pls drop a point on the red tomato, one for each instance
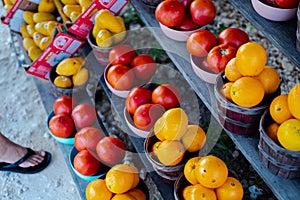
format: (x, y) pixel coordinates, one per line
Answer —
(201, 42)
(187, 24)
(110, 150)
(233, 36)
(186, 4)
(64, 105)
(146, 115)
(170, 13)
(144, 67)
(121, 54)
(120, 77)
(136, 97)
(86, 164)
(287, 3)
(61, 125)
(87, 138)
(84, 115)
(166, 95)
(203, 12)
(219, 56)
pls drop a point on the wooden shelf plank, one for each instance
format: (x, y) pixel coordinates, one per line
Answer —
(284, 189)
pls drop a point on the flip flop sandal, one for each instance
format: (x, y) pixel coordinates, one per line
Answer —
(14, 167)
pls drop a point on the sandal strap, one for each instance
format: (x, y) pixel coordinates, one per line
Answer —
(29, 153)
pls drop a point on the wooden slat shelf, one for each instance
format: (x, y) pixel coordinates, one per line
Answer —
(283, 189)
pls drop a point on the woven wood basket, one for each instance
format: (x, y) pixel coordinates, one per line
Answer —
(278, 160)
(237, 119)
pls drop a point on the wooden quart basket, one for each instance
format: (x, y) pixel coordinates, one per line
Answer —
(278, 160)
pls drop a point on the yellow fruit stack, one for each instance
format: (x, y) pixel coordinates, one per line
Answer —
(74, 8)
(38, 31)
(176, 137)
(208, 177)
(71, 73)
(108, 29)
(285, 111)
(249, 77)
(120, 183)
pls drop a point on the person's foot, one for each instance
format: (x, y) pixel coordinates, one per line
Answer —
(15, 152)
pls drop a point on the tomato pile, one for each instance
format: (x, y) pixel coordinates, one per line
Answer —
(217, 51)
(208, 176)
(186, 15)
(127, 69)
(146, 105)
(285, 112)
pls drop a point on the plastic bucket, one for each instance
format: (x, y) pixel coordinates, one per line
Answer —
(237, 119)
(278, 160)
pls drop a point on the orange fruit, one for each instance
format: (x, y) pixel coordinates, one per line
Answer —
(294, 101)
(96, 189)
(270, 79)
(251, 59)
(63, 81)
(189, 170)
(121, 178)
(211, 171)
(247, 92)
(158, 127)
(289, 134)
(187, 191)
(199, 192)
(194, 138)
(170, 152)
(225, 90)
(279, 109)
(137, 194)
(123, 197)
(271, 131)
(172, 124)
(231, 71)
(232, 189)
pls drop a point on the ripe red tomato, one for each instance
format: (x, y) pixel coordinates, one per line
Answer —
(203, 12)
(121, 54)
(187, 24)
(84, 115)
(61, 125)
(87, 138)
(201, 42)
(233, 36)
(144, 67)
(110, 150)
(170, 13)
(166, 95)
(136, 97)
(86, 164)
(120, 77)
(287, 3)
(219, 56)
(64, 105)
(186, 4)
(146, 115)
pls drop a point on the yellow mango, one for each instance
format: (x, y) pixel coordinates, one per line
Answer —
(40, 27)
(7, 8)
(7, 2)
(68, 9)
(30, 29)
(74, 15)
(63, 81)
(23, 30)
(27, 43)
(50, 26)
(96, 30)
(42, 17)
(34, 53)
(28, 17)
(68, 67)
(119, 37)
(37, 37)
(85, 3)
(104, 38)
(46, 6)
(80, 77)
(44, 43)
(108, 20)
(69, 2)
